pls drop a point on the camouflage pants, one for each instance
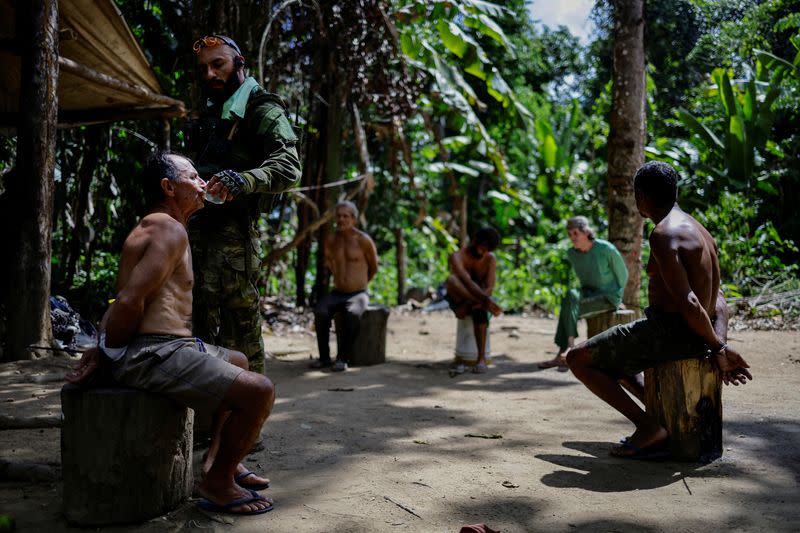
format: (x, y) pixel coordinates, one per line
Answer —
(225, 310)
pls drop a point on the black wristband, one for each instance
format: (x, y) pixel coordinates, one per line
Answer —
(232, 180)
(718, 350)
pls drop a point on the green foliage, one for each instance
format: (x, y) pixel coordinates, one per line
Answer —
(748, 115)
(748, 255)
(532, 271)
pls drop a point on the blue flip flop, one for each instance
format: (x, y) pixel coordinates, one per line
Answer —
(256, 486)
(208, 505)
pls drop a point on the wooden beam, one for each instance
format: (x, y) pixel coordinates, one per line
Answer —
(68, 65)
(84, 117)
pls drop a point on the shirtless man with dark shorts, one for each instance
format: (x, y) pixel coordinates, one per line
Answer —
(470, 286)
(687, 317)
(146, 339)
(351, 257)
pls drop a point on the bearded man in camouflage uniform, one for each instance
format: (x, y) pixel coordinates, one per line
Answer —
(245, 150)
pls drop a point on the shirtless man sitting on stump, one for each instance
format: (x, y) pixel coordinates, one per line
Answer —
(687, 317)
(470, 286)
(146, 339)
(351, 257)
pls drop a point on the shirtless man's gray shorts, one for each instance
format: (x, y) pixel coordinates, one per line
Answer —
(191, 372)
(628, 349)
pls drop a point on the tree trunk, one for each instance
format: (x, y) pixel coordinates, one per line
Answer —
(685, 397)
(165, 140)
(597, 324)
(369, 347)
(332, 157)
(29, 323)
(400, 258)
(126, 455)
(463, 220)
(626, 139)
(86, 173)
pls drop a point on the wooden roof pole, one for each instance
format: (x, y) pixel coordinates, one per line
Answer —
(68, 65)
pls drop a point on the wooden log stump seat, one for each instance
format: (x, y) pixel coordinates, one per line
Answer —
(686, 398)
(126, 455)
(599, 322)
(370, 343)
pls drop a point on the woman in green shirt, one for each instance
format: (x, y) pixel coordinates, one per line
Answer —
(602, 275)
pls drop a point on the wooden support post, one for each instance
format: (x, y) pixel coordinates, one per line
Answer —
(370, 345)
(30, 243)
(596, 324)
(126, 455)
(686, 398)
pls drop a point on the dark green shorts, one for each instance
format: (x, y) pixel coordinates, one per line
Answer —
(628, 349)
(479, 316)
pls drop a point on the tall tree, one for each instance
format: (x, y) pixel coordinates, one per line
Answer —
(626, 139)
(32, 188)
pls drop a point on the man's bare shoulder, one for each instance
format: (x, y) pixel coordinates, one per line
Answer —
(679, 230)
(363, 236)
(158, 227)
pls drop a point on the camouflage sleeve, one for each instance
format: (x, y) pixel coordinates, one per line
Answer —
(281, 167)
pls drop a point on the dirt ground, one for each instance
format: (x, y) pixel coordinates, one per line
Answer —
(346, 451)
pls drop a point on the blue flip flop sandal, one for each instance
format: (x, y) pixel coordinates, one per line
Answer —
(208, 505)
(255, 486)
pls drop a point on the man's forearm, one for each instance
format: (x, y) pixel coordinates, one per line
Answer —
(699, 322)
(122, 321)
(721, 318)
(279, 172)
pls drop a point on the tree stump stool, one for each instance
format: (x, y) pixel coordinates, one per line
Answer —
(466, 352)
(126, 455)
(686, 398)
(370, 344)
(599, 322)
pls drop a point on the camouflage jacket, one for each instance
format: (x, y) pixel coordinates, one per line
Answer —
(261, 147)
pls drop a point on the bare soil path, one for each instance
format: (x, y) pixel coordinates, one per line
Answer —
(362, 450)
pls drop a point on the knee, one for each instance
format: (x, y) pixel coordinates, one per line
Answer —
(577, 358)
(238, 359)
(262, 392)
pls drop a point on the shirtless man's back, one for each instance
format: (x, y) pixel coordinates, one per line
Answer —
(351, 257)
(687, 317)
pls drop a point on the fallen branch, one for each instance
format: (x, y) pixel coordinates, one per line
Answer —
(25, 471)
(34, 422)
(401, 506)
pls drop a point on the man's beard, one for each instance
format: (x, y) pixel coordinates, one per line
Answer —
(219, 96)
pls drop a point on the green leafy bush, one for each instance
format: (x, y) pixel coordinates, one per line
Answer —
(747, 255)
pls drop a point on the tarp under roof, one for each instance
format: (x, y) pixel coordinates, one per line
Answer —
(103, 74)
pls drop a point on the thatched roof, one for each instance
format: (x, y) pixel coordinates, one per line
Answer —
(103, 74)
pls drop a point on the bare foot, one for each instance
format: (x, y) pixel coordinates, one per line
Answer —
(558, 361)
(640, 441)
(480, 368)
(250, 480)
